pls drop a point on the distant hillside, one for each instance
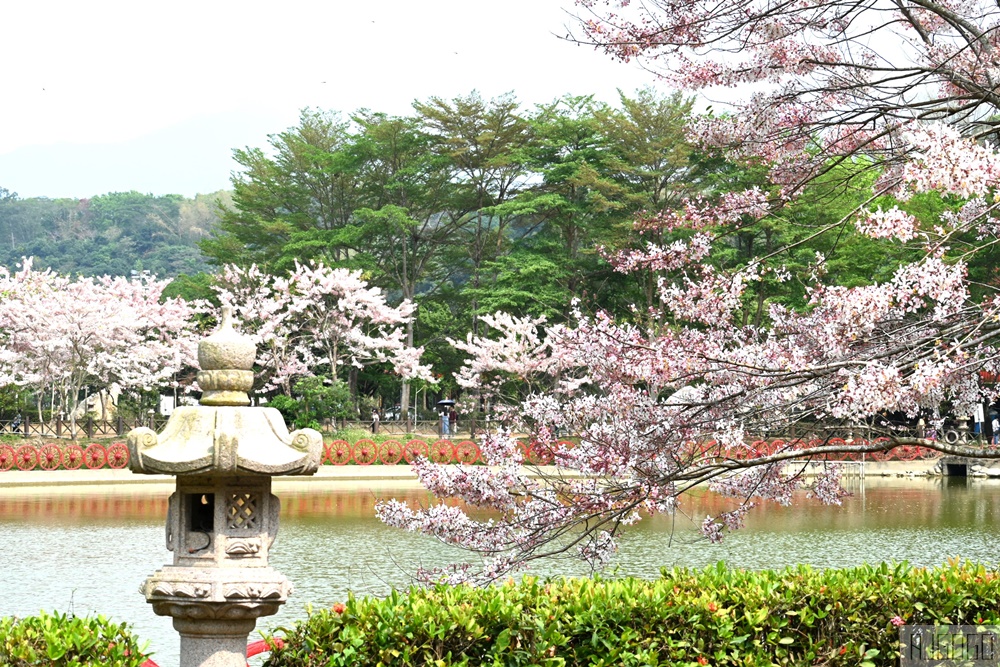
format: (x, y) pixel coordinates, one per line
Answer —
(114, 233)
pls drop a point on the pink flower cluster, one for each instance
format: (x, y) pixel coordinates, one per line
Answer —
(889, 224)
(943, 160)
(319, 315)
(60, 334)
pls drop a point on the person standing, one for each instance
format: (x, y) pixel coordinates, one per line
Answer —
(375, 419)
(453, 419)
(445, 431)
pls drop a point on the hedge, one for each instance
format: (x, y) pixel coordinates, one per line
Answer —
(60, 640)
(715, 616)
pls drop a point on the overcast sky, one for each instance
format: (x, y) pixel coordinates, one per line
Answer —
(104, 96)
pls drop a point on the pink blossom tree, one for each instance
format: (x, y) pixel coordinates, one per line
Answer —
(834, 78)
(316, 316)
(59, 334)
(351, 322)
(514, 359)
(261, 302)
(906, 89)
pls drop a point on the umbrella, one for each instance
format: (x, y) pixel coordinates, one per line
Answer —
(446, 401)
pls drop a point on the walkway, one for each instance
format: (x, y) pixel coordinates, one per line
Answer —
(328, 476)
(82, 481)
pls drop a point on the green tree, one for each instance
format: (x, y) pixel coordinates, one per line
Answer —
(485, 142)
(658, 168)
(291, 205)
(314, 401)
(578, 200)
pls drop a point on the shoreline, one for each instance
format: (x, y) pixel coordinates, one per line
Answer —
(916, 468)
(331, 477)
(76, 482)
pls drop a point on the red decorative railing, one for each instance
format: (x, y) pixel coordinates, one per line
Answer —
(366, 452)
(253, 648)
(759, 448)
(53, 456)
(339, 452)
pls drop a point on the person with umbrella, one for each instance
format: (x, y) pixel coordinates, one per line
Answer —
(445, 406)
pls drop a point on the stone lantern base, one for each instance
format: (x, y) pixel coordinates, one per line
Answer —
(214, 642)
(215, 609)
(216, 593)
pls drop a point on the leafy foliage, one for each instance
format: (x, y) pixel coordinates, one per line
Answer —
(465, 207)
(62, 640)
(717, 616)
(314, 401)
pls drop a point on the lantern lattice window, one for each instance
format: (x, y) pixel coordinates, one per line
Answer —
(242, 511)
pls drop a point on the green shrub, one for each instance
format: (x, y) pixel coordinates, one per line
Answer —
(716, 616)
(352, 435)
(319, 401)
(286, 405)
(315, 401)
(67, 641)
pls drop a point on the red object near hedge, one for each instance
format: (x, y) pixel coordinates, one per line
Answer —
(95, 456)
(73, 457)
(117, 455)
(52, 456)
(415, 449)
(49, 457)
(339, 452)
(365, 452)
(390, 452)
(26, 457)
(467, 452)
(442, 451)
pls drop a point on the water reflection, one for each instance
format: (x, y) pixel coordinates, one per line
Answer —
(88, 554)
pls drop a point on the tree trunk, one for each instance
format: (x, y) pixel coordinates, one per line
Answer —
(352, 382)
(404, 390)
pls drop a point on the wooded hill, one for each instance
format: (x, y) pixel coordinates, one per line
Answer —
(113, 234)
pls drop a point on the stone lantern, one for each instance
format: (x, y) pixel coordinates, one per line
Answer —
(222, 518)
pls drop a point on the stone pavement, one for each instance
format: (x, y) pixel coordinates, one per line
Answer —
(919, 468)
(54, 482)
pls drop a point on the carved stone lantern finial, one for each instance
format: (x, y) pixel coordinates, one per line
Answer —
(226, 359)
(223, 518)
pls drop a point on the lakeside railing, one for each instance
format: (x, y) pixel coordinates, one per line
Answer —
(364, 452)
(87, 427)
(95, 456)
(90, 427)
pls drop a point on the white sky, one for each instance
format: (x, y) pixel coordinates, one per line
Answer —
(111, 95)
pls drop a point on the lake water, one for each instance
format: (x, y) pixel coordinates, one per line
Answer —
(89, 554)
